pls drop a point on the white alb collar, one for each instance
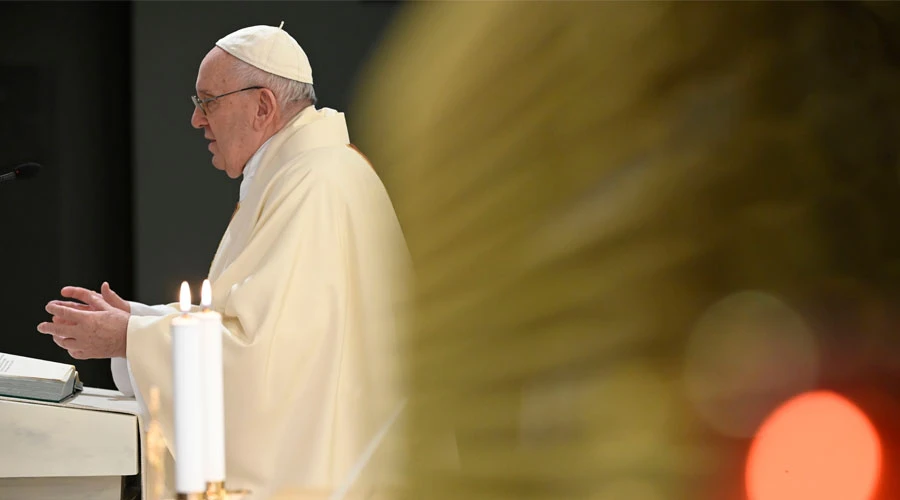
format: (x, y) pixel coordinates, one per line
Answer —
(250, 169)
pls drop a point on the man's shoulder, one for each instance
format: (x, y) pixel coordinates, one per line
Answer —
(344, 162)
(342, 168)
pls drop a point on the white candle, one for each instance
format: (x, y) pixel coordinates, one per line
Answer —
(214, 401)
(187, 386)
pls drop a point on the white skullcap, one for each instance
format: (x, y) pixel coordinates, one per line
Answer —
(270, 49)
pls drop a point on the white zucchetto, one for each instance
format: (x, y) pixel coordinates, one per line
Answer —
(270, 49)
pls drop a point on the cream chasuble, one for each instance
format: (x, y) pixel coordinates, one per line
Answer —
(308, 277)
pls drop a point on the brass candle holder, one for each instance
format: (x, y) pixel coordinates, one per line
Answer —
(156, 450)
(217, 491)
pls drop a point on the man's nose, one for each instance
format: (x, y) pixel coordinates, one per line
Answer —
(198, 119)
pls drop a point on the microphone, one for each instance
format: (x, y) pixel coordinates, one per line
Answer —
(23, 171)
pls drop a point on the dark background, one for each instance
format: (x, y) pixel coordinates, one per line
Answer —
(99, 93)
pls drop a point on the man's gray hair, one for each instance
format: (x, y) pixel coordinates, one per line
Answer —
(291, 95)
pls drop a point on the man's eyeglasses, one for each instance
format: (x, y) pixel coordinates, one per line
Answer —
(201, 103)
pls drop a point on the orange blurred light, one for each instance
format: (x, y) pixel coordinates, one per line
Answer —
(817, 446)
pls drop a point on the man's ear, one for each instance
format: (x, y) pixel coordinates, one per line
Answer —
(267, 107)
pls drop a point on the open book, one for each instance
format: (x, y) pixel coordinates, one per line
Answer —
(30, 378)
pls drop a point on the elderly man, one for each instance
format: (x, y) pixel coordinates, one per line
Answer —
(304, 277)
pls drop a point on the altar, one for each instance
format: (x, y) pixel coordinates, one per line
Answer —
(87, 447)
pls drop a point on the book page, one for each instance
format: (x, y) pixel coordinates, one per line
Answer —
(93, 398)
(13, 366)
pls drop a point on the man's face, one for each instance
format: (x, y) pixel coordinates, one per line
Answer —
(228, 122)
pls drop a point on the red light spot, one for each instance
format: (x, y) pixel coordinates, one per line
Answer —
(817, 446)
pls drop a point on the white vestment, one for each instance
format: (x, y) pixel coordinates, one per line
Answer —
(309, 277)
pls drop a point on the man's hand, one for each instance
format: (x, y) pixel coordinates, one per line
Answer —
(111, 297)
(94, 328)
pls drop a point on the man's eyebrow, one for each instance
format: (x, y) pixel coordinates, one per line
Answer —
(203, 91)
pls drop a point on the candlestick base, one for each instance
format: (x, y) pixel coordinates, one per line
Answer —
(190, 496)
(235, 494)
(217, 491)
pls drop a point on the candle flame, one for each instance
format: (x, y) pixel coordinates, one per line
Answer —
(206, 294)
(185, 297)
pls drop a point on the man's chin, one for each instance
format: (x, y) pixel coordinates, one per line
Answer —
(224, 168)
(218, 166)
(230, 172)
